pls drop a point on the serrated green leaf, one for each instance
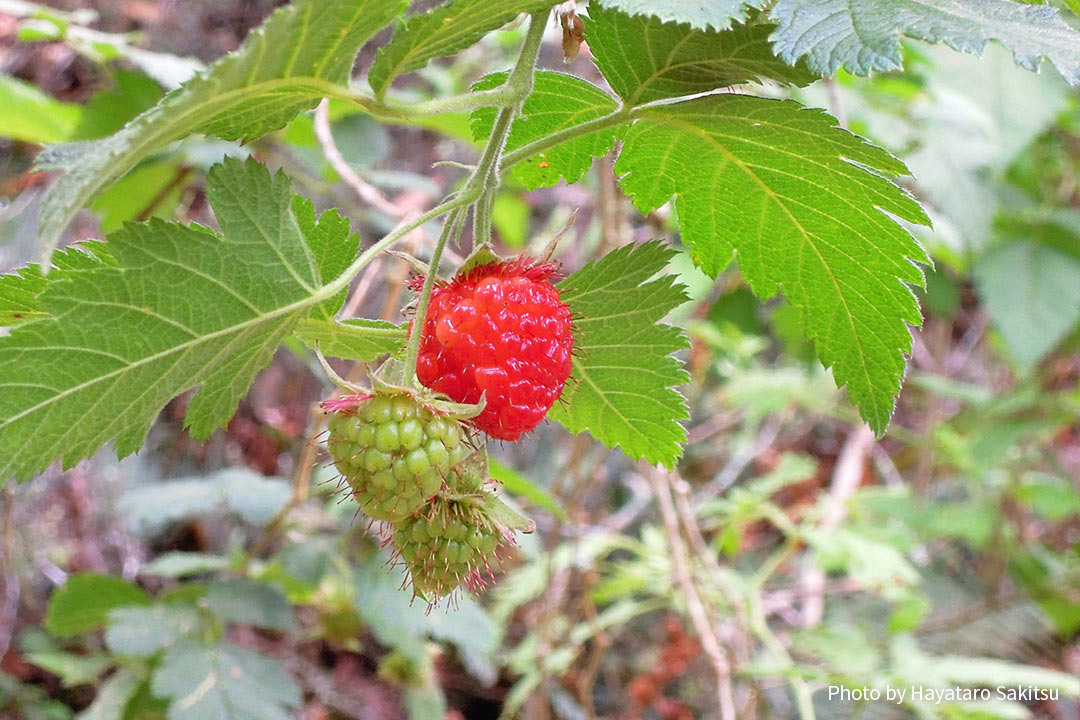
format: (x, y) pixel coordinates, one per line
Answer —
(142, 631)
(19, 290)
(701, 14)
(1032, 294)
(557, 101)
(180, 314)
(807, 208)
(622, 383)
(864, 35)
(283, 68)
(83, 604)
(240, 600)
(32, 116)
(223, 682)
(352, 339)
(645, 59)
(441, 32)
(332, 246)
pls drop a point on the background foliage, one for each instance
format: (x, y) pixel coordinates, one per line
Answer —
(786, 550)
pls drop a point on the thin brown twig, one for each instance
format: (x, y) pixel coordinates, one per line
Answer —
(661, 482)
(845, 481)
(364, 190)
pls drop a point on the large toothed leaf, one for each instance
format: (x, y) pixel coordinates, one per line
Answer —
(645, 59)
(174, 308)
(623, 382)
(805, 207)
(332, 247)
(441, 32)
(864, 35)
(283, 68)
(701, 14)
(558, 101)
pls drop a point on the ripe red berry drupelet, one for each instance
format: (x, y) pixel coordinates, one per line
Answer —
(500, 328)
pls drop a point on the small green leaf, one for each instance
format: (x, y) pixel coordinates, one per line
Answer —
(352, 339)
(1032, 293)
(443, 31)
(864, 35)
(283, 68)
(701, 14)
(83, 604)
(240, 600)
(623, 379)
(645, 59)
(807, 208)
(558, 101)
(142, 631)
(224, 682)
(332, 246)
(185, 307)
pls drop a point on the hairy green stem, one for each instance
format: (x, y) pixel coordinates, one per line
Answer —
(412, 349)
(466, 197)
(618, 117)
(485, 178)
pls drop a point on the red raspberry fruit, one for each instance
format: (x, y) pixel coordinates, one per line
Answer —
(502, 329)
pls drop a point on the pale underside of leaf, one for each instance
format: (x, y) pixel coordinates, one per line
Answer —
(864, 35)
(441, 32)
(182, 307)
(283, 68)
(353, 339)
(701, 14)
(624, 376)
(807, 208)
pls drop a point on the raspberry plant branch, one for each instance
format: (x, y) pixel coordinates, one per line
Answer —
(485, 178)
(412, 349)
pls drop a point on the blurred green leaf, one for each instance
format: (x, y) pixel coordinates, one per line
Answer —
(182, 564)
(30, 115)
(240, 600)
(84, 602)
(1032, 293)
(517, 484)
(510, 215)
(72, 669)
(224, 682)
(140, 631)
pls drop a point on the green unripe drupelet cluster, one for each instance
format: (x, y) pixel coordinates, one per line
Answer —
(453, 542)
(394, 453)
(407, 464)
